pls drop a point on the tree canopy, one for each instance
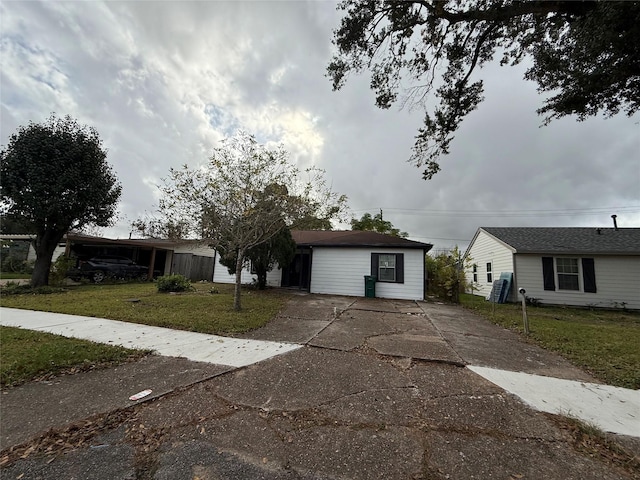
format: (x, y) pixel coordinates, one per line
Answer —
(278, 250)
(585, 56)
(243, 197)
(376, 224)
(55, 178)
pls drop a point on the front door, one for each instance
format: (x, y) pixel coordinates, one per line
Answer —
(298, 273)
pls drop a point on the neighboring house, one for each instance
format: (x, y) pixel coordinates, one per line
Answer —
(595, 267)
(191, 258)
(336, 262)
(22, 246)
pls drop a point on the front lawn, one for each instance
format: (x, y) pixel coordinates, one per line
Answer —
(198, 311)
(26, 355)
(603, 342)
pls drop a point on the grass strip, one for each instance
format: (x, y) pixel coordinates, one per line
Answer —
(27, 355)
(603, 342)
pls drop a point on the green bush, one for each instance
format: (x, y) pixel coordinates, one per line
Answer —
(59, 269)
(445, 275)
(173, 283)
(13, 263)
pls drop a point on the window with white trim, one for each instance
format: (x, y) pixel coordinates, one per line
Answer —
(568, 273)
(489, 273)
(387, 268)
(475, 273)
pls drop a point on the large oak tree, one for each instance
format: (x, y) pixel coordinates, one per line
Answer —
(55, 178)
(584, 56)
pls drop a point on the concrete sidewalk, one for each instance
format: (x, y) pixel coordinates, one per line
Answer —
(380, 390)
(612, 409)
(198, 347)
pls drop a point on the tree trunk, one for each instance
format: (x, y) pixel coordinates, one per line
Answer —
(236, 292)
(44, 245)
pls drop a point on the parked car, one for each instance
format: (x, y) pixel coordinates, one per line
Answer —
(99, 268)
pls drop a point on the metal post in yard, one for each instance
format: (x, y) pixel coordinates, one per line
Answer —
(525, 319)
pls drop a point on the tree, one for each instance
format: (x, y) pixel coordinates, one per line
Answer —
(312, 222)
(278, 250)
(14, 224)
(585, 55)
(244, 197)
(445, 274)
(55, 178)
(376, 224)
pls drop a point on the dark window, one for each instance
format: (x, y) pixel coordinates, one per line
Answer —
(475, 273)
(388, 267)
(489, 274)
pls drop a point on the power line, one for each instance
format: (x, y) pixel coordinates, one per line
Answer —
(509, 213)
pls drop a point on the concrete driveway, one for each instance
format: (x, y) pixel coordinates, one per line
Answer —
(380, 390)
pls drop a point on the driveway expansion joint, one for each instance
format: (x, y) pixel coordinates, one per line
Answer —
(415, 423)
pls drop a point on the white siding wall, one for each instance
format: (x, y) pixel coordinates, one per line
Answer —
(487, 249)
(341, 271)
(221, 275)
(617, 281)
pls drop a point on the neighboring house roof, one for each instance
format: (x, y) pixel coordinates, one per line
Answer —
(353, 238)
(133, 242)
(568, 240)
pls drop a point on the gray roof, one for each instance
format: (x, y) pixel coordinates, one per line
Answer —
(353, 238)
(570, 240)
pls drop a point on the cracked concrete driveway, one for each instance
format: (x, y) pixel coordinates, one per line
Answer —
(378, 392)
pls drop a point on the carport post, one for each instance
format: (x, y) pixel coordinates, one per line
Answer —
(525, 319)
(152, 264)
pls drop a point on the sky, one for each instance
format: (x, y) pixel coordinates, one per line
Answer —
(164, 82)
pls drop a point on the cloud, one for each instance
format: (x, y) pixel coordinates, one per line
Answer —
(164, 82)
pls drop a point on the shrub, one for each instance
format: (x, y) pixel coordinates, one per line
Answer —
(13, 263)
(445, 274)
(173, 283)
(59, 269)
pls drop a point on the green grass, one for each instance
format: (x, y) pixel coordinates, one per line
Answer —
(198, 310)
(14, 276)
(26, 355)
(603, 342)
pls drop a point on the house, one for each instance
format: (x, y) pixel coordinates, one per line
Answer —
(21, 247)
(192, 258)
(594, 267)
(336, 262)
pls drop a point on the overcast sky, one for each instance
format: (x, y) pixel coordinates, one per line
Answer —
(163, 82)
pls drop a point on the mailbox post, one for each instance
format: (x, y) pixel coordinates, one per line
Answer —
(525, 319)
